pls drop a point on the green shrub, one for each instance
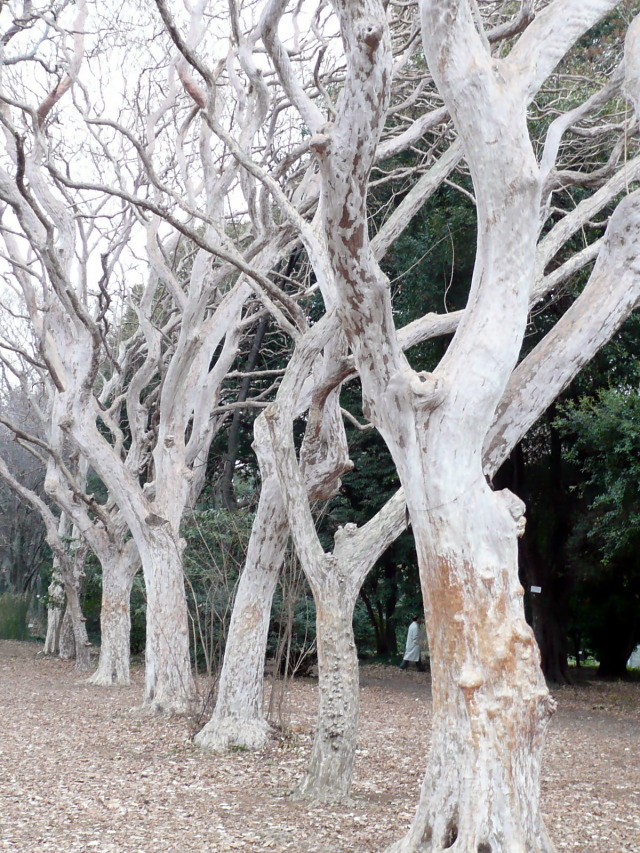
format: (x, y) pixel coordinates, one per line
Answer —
(13, 616)
(216, 547)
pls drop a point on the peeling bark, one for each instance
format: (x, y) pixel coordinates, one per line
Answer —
(115, 622)
(336, 582)
(169, 687)
(82, 645)
(55, 612)
(330, 771)
(491, 705)
(238, 718)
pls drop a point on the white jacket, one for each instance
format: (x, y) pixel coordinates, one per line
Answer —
(412, 649)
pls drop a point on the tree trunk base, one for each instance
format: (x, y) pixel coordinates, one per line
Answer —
(165, 709)
(467, 844)
(226, 733)
(115, 624)
(54, 625)
(83, 659)
(103, 677)
(309, 791)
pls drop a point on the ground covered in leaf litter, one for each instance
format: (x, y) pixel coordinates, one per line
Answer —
(80, 772)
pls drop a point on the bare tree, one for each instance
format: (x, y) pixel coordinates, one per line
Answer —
(166, 379)
(65, 482)
(69, 552)
(244, 718)
(491, 706)
(217, 161)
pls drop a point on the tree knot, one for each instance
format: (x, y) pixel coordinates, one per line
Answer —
(320, 142)
(343, 534)
(153, 520)
(470, 678)
(371, 34)
(516, 509)
(149, 491)
(428, 388)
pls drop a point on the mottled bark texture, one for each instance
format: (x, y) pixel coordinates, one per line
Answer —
(335, 578)
(71, 554)
(238, 718)
(168, 684)
(118, 572)
(329, 774)
(55, 612)
(491, 705)
(79, 629)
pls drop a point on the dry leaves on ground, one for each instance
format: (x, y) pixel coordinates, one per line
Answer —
(82, 771)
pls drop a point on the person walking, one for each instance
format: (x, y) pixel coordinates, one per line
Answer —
(412, 648)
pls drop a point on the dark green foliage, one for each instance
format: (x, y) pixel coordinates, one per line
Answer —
(544, 471)
(13, 616)
(606, 445)
(362, 629)
(605, 433)
(213, 559)
(430, 265)
(291, 644)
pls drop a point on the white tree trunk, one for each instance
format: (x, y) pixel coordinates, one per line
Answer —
(55, 612)
(355, 552)
(238, 718)
(115, 622)
(330, 771)
(66, 639)
(491, 705)
(481, 790)
(78, 627)
(335, 578)
(169, 686)
(54, 624)
(73, 641)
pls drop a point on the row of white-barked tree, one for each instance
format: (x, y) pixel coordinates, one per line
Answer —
(236, 138)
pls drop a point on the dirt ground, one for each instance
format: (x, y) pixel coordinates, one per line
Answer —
(80, 770)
